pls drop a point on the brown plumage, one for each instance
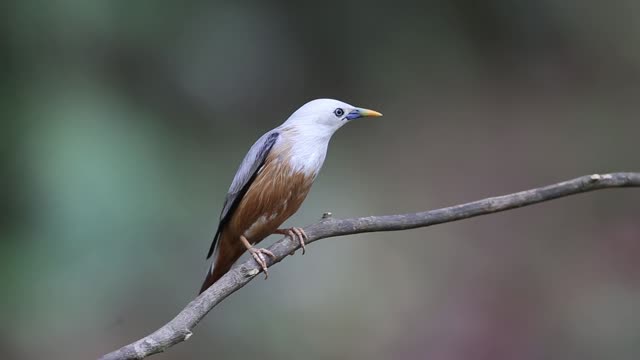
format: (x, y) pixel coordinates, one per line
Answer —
(275, 194)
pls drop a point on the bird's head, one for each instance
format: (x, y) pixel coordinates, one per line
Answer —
(327, 115)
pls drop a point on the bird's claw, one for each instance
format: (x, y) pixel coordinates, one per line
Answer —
(258, 256)
(296, 233)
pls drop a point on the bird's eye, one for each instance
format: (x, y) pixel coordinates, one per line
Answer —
(339, 112)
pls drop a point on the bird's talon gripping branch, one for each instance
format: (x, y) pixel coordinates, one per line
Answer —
(258, 256)
(295, 233)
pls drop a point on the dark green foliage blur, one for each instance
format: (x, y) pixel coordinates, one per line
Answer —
(123, 123)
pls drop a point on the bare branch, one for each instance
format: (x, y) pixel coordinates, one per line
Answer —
(179, 329)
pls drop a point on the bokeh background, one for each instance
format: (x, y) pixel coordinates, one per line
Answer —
(123, 123)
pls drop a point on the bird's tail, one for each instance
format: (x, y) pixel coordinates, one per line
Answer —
(208, 280)
(215, 272)
(224, 259)
(212, 277)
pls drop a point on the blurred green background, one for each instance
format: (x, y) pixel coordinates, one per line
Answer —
(124, 122)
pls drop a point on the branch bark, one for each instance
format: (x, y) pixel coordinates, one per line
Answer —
(179, 329)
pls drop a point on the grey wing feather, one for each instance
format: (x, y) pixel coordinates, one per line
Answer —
(245, 175)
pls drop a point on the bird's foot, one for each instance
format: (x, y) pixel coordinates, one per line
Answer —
(295, 233)
(258, 255)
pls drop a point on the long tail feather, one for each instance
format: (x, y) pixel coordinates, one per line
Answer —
(229, 251)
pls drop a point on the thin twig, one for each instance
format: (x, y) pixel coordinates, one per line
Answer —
(179, 329)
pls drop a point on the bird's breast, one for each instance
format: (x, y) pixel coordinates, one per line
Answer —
(302, 150)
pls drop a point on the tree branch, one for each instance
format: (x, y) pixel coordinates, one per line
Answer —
(179, 329)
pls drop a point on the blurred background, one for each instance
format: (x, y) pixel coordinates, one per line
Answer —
(123, 123)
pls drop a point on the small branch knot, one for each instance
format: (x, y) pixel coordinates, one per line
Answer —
(252, 272)
(597, 177)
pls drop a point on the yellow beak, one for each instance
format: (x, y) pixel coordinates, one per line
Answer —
(367, 112)
(358, 113)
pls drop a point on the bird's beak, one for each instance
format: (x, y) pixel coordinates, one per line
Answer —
(358, 113)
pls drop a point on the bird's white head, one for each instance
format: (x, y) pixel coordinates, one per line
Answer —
(325, 116)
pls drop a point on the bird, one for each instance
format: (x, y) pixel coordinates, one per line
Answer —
(273, 180)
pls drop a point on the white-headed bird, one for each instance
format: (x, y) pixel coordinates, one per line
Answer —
(272, 182)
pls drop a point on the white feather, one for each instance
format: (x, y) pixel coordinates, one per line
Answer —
(307, 133)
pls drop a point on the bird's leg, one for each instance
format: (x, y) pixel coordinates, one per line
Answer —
(295, 233)
(258, 255)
